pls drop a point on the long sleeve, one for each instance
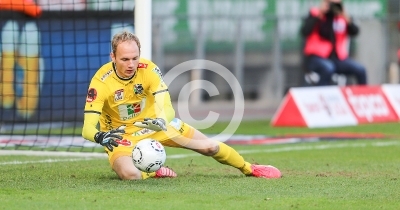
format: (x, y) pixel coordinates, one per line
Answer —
(89, 126)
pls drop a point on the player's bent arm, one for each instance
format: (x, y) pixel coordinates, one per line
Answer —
(89, 129)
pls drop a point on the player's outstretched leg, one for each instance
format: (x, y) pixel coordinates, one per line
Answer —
(227, 155)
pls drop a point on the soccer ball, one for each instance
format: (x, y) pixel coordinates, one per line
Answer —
(148, 155)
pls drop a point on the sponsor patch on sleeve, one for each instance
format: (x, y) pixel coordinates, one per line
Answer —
(91, 95)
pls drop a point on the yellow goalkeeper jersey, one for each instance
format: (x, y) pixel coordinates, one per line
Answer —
(121, 101)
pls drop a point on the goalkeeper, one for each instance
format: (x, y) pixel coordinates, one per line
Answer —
(131, 102)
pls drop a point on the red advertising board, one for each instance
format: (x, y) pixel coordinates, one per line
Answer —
(369, 104)
(392, 93)
(338, 106)
(314, 107)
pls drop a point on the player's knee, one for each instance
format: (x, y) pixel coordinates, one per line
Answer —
(213, 150)
(128, 174)
(209, 151)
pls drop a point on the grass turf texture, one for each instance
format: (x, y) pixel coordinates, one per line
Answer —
(361, 174)
(322, 175)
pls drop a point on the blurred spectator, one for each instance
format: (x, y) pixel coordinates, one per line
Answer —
(20, 56)
(326, 31)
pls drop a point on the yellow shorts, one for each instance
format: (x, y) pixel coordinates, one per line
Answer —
(175, 129)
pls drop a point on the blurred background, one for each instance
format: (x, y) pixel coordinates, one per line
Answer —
(257, 40)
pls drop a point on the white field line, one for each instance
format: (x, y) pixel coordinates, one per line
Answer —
(44, 161)
(53, 153)
(91, 156)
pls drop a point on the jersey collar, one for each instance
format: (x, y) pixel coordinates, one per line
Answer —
(124, 79)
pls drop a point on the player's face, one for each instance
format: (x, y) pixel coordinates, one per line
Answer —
(126, 58)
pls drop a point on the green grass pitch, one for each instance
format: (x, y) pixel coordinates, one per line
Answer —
(345, 174)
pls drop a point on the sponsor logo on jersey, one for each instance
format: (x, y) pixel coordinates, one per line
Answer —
(138, 89)
(142, 132)
(104, 77)
(124, 142)
(129, 111)
(91, 95)
(108, 122)
(142, 65)
(119, 95)
(181, 130)
(158, 72)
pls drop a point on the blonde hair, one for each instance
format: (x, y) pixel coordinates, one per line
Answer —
(123, 36)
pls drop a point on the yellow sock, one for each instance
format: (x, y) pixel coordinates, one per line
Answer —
(148, 175)
(228, 156)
